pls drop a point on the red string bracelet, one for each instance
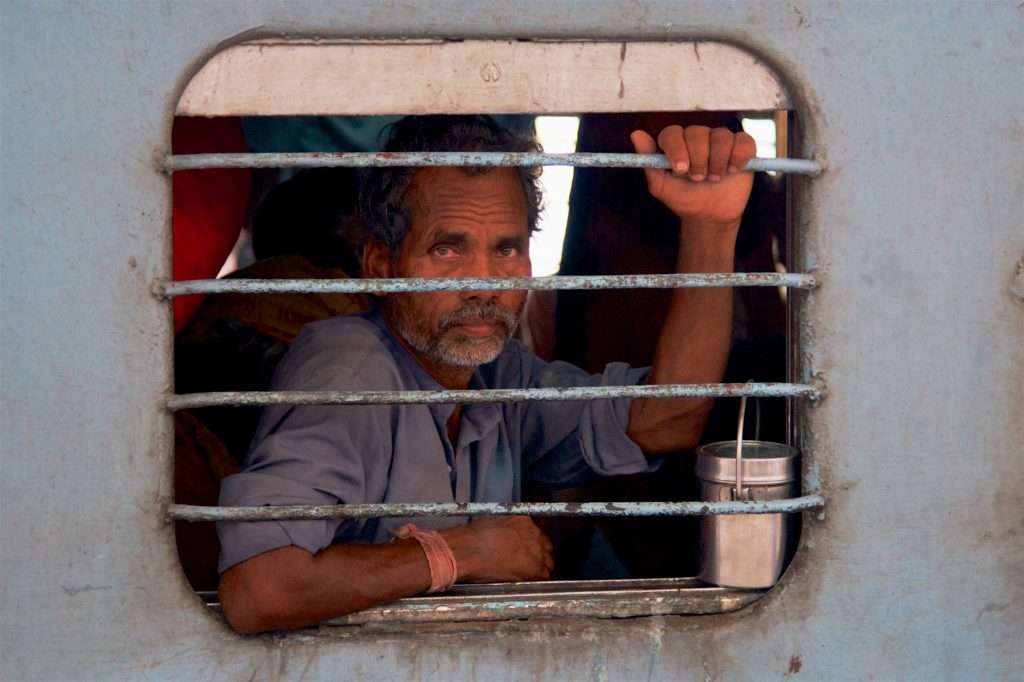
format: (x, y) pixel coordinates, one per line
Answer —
(443, 569)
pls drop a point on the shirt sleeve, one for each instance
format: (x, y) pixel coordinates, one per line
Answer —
(308, 454)
(566, 442)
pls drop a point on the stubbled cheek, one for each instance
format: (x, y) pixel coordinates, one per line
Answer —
(513, 300)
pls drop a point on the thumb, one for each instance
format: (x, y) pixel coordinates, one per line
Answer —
(645, 144)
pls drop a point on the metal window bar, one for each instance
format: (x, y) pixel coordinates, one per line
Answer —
(491, 395)
(494, 159)
(179, 162)
(305, 512)
(169, 289)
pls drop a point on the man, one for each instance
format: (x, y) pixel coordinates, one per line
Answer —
(450, 222)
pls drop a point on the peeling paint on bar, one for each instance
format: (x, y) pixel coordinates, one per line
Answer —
(184, 512)
(490, 395)
(409, 284)
(425, 159)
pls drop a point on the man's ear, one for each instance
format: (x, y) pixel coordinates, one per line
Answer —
(376, 260)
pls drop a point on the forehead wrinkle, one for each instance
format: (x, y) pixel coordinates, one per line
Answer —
(471, 213)
(495, 202)
(437, 200)
(471, 208)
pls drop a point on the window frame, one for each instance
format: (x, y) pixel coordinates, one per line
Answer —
(489, 71)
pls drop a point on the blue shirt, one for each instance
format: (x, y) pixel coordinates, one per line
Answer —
(349, 454)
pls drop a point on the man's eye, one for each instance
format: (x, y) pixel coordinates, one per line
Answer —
(508, 251)
(443, 250)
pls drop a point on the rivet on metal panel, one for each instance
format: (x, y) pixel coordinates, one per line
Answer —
(821, 389)
(1017, 282)
(490, 72)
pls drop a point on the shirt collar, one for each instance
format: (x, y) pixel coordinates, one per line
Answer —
(478, 419)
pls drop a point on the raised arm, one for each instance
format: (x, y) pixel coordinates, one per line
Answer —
(289, 587)
(708, 191)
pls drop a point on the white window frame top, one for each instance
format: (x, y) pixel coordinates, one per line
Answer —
(348, 78)
(322, 78)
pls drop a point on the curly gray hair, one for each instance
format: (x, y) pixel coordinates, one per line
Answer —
(384, 191)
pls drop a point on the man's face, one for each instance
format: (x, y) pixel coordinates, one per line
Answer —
(462, 226)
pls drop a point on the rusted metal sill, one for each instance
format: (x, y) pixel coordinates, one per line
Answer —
(553, 599)
(170, 289)
(426, 159)
(299, 512)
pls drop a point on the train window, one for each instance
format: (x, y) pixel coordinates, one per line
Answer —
(267, 234)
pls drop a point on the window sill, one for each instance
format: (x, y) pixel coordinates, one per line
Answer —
(554, 599)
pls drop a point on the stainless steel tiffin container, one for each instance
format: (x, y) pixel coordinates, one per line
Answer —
(746, 550)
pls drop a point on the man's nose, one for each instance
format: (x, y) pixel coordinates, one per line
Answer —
(480, 266)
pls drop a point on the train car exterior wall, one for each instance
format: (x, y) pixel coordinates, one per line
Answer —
(914, 571)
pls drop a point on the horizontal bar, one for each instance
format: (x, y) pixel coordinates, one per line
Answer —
(412, 284)
(305, 512)
(543, 587)
(424, 159)
(186, 401)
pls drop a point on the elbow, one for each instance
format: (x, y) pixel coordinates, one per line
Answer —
(690, 439)
(244, 621)
(670, 432)
(663, 426)
(244, 611)
(665, 441)
(253, 603)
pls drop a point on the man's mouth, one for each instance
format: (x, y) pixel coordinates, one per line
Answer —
(477, 328)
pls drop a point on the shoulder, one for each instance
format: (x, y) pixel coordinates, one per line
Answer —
(341, 352)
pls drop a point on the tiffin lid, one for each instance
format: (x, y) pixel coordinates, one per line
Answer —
(764, 463)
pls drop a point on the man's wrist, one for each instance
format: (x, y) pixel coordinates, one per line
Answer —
(704, 228)
(707, 246)
(458, 540)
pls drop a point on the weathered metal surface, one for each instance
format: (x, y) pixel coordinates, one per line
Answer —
(275, 77)
(426, 159)
(1017, 283)
(556, 282)
(560, 599)
(306, 512)
(491, 395)
(914, 572)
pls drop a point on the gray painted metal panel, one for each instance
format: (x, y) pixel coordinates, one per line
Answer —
(916, 571)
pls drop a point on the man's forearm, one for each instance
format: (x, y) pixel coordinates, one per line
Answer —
(289, 587)
(693, 345)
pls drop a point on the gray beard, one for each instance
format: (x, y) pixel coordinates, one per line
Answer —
(447, 346)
